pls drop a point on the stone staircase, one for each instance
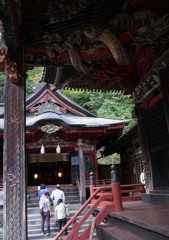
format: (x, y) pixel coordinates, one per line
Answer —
(34, 218)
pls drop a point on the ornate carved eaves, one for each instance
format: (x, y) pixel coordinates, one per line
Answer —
(144, 92)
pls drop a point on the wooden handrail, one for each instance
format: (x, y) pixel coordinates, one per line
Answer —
(100, 182)
(100, 195)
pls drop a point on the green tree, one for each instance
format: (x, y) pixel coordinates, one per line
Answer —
(80, 97)
(110, 104)
(111, 159)
(33, 76)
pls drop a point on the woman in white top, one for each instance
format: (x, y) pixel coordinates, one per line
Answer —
(60, 209)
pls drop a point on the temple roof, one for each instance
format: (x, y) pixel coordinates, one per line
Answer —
(49, 108)
(75, 121)
(52, 117)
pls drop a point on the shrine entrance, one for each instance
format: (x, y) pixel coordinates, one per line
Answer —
(48, 168)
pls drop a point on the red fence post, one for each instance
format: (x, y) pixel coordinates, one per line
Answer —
(116, 189)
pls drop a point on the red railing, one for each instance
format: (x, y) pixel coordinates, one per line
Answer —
(76, 225)
(133, 191)
(129, 192)
(105, 199)
(99, 182)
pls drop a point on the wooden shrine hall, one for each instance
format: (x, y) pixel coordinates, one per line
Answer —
(55, 127)
(87, 45)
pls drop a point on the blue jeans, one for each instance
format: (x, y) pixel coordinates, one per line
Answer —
(45, 217)
(61, 223)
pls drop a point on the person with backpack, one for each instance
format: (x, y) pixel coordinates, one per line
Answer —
(61, 210)
(45, 211)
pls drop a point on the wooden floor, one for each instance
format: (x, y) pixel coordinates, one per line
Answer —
(151, 216)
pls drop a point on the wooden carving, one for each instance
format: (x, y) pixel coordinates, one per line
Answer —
(14, 74)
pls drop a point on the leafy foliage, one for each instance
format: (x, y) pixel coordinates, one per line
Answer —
(109, 105)
(32, 78)
(111, 159)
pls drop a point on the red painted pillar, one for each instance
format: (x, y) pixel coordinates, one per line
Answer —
(116, 189)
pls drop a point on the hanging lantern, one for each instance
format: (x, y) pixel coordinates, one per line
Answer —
(42, 150)
(60, 174)
(58, 149)
(35, 175)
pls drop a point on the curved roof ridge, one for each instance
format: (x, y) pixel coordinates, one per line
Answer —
(68, 100)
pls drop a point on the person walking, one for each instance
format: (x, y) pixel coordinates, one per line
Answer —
(45, 211)
(60, 209)
(57, 194)
(42, 190)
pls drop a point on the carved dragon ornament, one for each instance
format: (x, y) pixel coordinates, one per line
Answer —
(123, 32)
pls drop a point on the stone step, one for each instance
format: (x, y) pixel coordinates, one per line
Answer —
(34, 218)
(155, 197)
(66, 191)
(72, 207)
(36, 204)
(67, 197)
(52, 235)
(131, 227)
(71, 197)
(34, 212)
(112, 232)
(34, 227)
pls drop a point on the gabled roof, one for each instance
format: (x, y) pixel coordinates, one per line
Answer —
(49, 107)
(47, 92)
(49, 112)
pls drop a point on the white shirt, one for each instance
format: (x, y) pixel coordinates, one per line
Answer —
(44, 203)
(61, 210)
(57, 194)
(142, 179)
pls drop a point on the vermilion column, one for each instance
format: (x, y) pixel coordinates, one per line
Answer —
(116, 189)
(14, 184)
